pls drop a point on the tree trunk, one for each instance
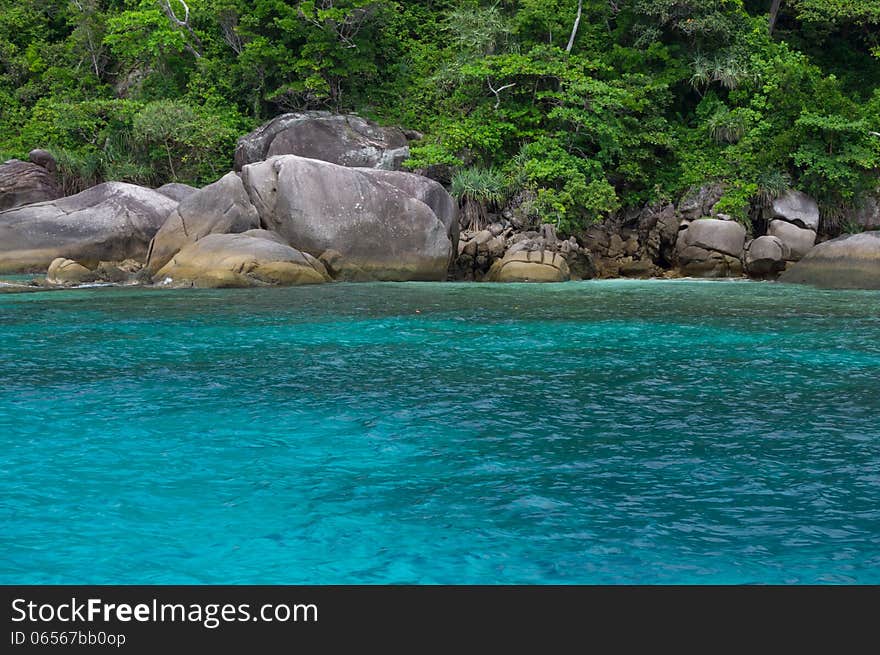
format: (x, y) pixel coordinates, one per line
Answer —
(577, 24)
(774, 13)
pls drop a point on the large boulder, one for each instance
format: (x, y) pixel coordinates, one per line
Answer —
(699, 262)
(252, 258)
(341, 139)
(727, 237)
(530, 266)
(24, 183)
(109, 222)
(766, 256)
(849, 262)
(429, 192)
(797, 208)
(219, 208)
(177, 191)
(379, 231)
(798, 240)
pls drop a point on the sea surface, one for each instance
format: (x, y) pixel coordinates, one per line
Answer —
(595, 432)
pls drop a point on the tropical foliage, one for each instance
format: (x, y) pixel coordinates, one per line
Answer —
(583, 106)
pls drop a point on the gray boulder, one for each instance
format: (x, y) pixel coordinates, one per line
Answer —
(429, 192)
(341, 139)
(380, 232)
(44, 159)
(699, 262)
(177, 191)
(849, 262)
(252, 258)
(727, 237)
(766, 257)
(797, 208)
(219, 208)
(867, 213)
(109, 222)
(24, 183)
(799, 241)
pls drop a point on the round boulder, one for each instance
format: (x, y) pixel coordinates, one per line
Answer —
(68, 272)
(766, 257)
(429, 192)
(797, 208)
(530, 266)
(798, 240)
(253, 258)
(711, 247)
(43, 158)
(177, 191)
(726, 237)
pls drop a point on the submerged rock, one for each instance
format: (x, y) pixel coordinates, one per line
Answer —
(849, 262)
(346, 140)
(253, 258)
(109, 222)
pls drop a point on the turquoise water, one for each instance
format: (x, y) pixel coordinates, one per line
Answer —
(597, 432)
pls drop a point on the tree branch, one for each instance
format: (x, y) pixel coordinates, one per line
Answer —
(498, 91)
(183, 24)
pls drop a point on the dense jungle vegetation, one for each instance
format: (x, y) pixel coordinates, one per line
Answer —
(580, 107)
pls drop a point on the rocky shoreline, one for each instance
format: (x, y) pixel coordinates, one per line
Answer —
(318, 197)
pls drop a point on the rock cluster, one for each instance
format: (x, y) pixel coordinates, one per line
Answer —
(795, 221)
(381, 231)
(113, 221)
(500, 253)
(66, 272)
(315, 198)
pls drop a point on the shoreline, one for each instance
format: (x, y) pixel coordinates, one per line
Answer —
(8, 287)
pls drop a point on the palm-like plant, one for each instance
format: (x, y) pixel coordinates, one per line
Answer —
(478, 190)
